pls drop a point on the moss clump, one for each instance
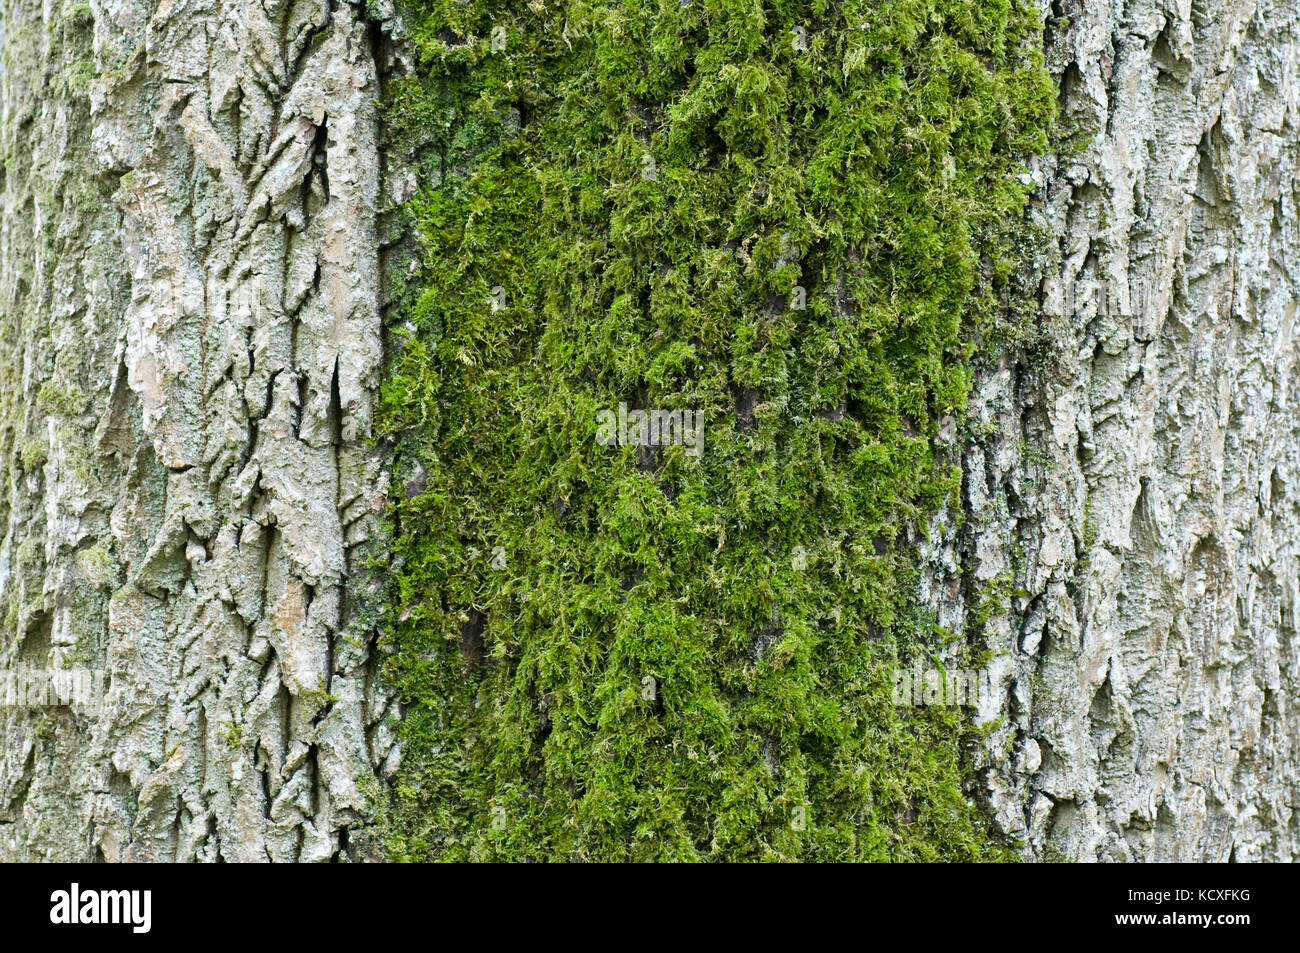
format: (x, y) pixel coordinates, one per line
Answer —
(617, 652)
(58, 397)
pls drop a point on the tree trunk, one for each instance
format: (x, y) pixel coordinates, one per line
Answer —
(1134, 503)
(190, 281)
(193, 274)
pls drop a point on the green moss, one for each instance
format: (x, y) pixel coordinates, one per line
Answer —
(611, 654)
(98, 564)
(34, 454)
(79, 14)
(59, 397)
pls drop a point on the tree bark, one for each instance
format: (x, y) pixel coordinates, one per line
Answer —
(190, 280)
(1133, 505)
(192, 284)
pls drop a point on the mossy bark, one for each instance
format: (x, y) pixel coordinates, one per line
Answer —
(1054, 442)
(792, 223)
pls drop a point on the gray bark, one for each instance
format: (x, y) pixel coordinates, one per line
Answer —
(1132, 491)
(190, 281)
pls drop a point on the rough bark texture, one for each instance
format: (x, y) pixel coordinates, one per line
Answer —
(190, 297)
(190, 283)
(1132, 486)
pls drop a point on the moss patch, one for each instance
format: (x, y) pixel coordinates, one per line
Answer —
(624, 652)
